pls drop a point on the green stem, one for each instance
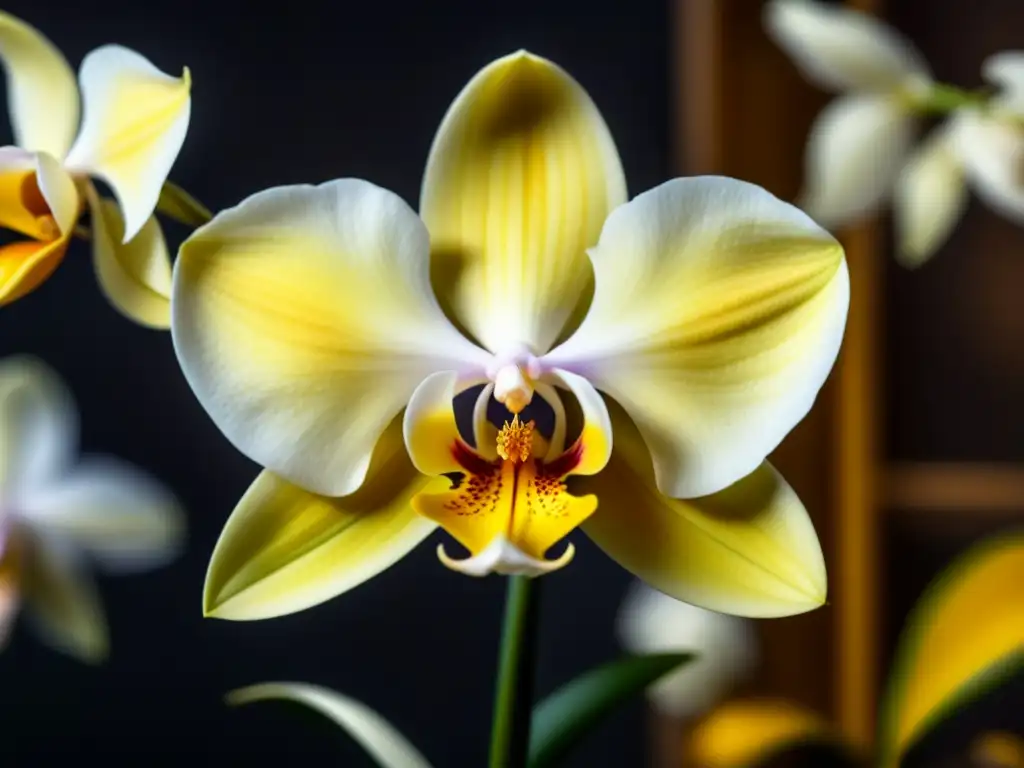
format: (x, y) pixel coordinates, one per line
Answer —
(510, 731)
(942, 99)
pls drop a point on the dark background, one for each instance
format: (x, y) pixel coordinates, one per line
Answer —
(301, 93)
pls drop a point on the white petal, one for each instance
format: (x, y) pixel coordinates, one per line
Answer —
(38, 426)
(717, 315)
(119, 515)
(841, 48)
(304, 319)
(726, 648)
(62, 603)
(134, 125)
(854, 154)
(503, 557)
(992, 151)
(58, 190)
(134, 276)
(1006, 70)
(41, 93)
(930, 198)
(376, 735)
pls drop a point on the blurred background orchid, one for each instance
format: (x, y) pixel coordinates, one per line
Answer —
(863, 150)
(964, 637)
(59, 515)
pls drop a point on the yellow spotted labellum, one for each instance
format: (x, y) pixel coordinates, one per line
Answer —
(135, 120)
(328, 331)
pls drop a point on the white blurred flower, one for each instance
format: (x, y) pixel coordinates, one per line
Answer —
(652, 622)
(860, 141)
(57, 515)
(981, 146)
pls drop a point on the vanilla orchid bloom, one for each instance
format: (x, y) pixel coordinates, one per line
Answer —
(135, 119)
(306, 322)
(859, 143)
(57, 515)
(725, 647)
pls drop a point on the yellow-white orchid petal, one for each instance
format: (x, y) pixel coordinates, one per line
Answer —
(840, 48)
(29, 183)
(718, 312)
(992, 152)
(110, 510)
(429, 427)
(725, 646)
(387, 747)
(41, 93)
(61, 601)
(304, 319)
(134, 123)
(965, 634)
(930, 197)
(38, 426)
(749, 550)
(135, 276)
(744, 734)
(59, 191)
(596, 438)
(485, 434)
(521, 175)
(285, 549)
(854, 154)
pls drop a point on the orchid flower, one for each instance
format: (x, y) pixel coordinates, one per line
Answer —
(725, 647)
(135, 119)
(709, 313)
(859, 151)
(56, 516)
(861, 140)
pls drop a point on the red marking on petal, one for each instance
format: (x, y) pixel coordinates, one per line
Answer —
(471, 461)
(564, 464)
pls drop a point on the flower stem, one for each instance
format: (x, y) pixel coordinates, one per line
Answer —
(942, 99)
(510, 730)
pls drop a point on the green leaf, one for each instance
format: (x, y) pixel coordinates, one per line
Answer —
(372, 732)
(566, 715)
(179, 205)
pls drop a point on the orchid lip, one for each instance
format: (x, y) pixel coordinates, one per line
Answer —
(503, 557)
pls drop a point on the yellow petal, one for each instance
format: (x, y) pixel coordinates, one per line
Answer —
(134, 125)
(742, 734)
(136, 276)
(62, 603)
(24, 207)
(749, 550)
(25, 266)
(304, 320)
(930, 197)
(285, 549)
(38, 426)
(429, 426)
(385, 745)
(855, 151)
(521, 175)
(41, 93)
(965, 634)
(517, 502)
(59, 191)
(841, 48)
(717, 316)
(596, 437)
